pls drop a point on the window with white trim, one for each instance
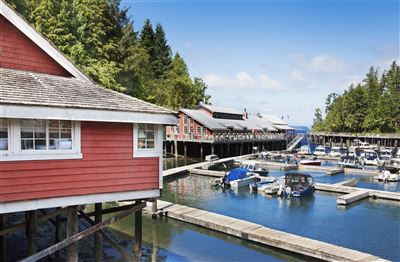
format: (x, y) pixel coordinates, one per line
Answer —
(191, 121)
(198, 130)
(37, 139)
(204, 130)
(178, 130)
(46, 134)
(185, 119)
(191, 129)
(146, 136)
(185, 130)
(3, 134)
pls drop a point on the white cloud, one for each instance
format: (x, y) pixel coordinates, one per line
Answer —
(244, 80)
(326, 64)
(298, 76)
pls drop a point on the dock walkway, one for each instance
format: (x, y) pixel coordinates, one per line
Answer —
(261, 234)
(184, 169)
(329, 170)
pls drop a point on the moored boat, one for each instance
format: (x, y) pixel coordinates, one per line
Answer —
(297, 185)
(310, 162)
(350, 162)
(393, 166)
(370, 157)
(255, 167)
(238, 177)
(335, 152)
(320, 151)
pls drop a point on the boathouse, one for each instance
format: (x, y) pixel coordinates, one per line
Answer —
(209, 129)
(66, 142)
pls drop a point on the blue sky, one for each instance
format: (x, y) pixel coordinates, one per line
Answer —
(280, 57)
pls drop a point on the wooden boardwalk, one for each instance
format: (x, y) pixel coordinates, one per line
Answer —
(329, 170)
(261, 234)
(185, 169)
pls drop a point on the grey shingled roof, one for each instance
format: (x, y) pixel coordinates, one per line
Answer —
(203, 119)
(219, 109)
(28, 88)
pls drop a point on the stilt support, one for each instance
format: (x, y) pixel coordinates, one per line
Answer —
(3, 247)
(98, 239)
(31, 223)
(138, 233)
(72, 229)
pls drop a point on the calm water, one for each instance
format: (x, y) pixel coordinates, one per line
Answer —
(171, 240)
(181, 161)
(372, 226)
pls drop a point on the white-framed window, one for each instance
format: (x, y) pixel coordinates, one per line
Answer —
(39, 139)
(198, 130)
(191, 121)
(185, 119)
(204, 130)
(191, 129)
(4, 130)
(178, 129)
(146, 136)
(185, 130)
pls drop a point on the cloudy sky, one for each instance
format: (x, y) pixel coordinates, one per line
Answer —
(280, 57)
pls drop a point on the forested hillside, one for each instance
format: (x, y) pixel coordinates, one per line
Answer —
(99, 37)
(370, 106)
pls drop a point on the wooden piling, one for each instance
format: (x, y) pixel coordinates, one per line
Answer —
(72, 229)
(58, 234)
(31, 223)
(138, 232)
(98, 239)
(3, 247)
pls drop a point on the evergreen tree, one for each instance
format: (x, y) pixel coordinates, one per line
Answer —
(317, 121)
(162, 54)
(147, 39)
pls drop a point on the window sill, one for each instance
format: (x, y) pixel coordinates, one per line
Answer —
(146, 153)
(45, 156)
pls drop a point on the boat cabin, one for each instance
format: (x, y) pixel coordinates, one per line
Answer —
(298, 180)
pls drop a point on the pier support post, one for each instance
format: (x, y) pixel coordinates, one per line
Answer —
(241, 149)
(176, 148)
(229, 149)
(201, 151)
(58, 233)
(3, 247)
(72, 229)
(98, 239)
(184, 149)
(138, 233)
(212, 149)
(31, 222)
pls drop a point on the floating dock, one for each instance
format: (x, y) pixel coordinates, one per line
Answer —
(365, 172)
(352, 197)
(261, 234)
(277, 165)
(329, 170)
(204, 172)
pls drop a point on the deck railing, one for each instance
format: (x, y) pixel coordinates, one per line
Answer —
(360, 135)
(220, 138)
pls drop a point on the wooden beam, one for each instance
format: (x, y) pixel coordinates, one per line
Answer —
(39, 219)
(98, 240)
(72, 229)
(58, 234)
(83, 234)
(125, 255)
(110, 210)
(138, 233)
(31, 223)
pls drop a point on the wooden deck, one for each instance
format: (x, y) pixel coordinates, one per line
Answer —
(261, 234)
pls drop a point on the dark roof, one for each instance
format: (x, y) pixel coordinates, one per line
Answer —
(28, 88)
(219, 109)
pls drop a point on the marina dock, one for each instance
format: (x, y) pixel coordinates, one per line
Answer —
(327, 169)
(204, 172)
(277, 165)
(261, 234)
(365, 172)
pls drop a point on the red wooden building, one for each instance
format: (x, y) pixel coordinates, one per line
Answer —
(209, 129)
(65, 141)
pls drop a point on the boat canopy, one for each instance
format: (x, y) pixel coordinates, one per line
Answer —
(237, 173)
(294, 179)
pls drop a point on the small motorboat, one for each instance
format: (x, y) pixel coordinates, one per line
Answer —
(297, 185)
(350, 162)
(386, 176)
(393, 166)
(304, 150)
(370, 157)
(255, 167)
(238, 177)
(310, 162)
(385, 154)
(335, 152)
(320, 151)
(263, 184)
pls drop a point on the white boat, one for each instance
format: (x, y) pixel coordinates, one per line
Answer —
(370, 157)
(335, 152)
(263, 184)
(242, 182)
(310, 162)
(350, 162)
(393, 165)
(255, 167)
(385, 154)
(386, 176)
(365, 145)
(211, 158)
(238, 177)
(304, 150)
(320, 151)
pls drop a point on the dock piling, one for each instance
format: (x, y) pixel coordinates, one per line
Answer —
(31, 224)
(98, 239)
(138, 233)
(72, 229)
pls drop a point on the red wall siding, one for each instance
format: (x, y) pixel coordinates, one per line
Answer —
(107, 166)
(18, 52)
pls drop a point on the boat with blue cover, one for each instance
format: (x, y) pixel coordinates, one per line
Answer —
(238, 177)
